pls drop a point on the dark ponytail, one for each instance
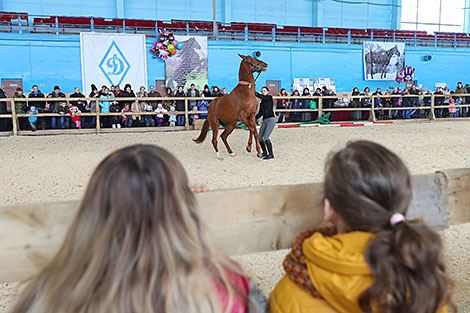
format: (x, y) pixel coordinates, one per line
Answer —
(366, 185)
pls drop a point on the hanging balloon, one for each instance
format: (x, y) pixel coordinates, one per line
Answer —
(173, 52)
(170, 48)
(179, 46)
(174, 42)
(171, 37)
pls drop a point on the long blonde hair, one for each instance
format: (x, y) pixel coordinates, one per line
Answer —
(137, 245)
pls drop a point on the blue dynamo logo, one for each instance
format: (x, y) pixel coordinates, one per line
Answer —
(114, 65)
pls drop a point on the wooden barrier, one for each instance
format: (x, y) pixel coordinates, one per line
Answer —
(239, 220)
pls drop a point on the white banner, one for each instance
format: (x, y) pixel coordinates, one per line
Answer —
(113, 59)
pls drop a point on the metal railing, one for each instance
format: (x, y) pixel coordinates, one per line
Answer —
(13, 116)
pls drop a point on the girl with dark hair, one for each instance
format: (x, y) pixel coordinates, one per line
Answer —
(282, 104)
(137, 244)
(355, 103)
(295, 104)
(305, 105)
(373, 259)
(266, 110)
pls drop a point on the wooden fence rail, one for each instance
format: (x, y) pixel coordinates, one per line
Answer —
(239, 220)
(319, 99)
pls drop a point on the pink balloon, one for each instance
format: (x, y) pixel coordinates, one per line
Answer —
(174, 42)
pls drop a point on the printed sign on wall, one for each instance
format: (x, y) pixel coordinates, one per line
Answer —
(383, 60)
(113, 59)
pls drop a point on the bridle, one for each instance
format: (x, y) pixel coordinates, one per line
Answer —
(253, 68)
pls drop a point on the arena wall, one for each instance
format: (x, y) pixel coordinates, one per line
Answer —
(380, 14)
(48, 60)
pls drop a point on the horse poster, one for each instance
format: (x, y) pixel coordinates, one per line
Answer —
(189, 65)
(383, 60)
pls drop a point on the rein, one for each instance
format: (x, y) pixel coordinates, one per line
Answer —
(253, 68)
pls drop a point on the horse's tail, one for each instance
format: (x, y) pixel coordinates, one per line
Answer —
(203, 134)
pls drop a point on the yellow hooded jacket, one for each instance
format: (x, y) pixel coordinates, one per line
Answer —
(338, 271)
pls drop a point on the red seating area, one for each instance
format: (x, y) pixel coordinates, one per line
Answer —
(237, 28)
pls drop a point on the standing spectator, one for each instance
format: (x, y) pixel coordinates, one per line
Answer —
(446, 92)
(202, 105)
(115, 107)
(194, 116)
(21, 107)
(192, 93)
(266, 111)
(159, 118)
(126, 119)
(117, 92)
(355, 103)
(305, 104)
(149, 121)
(438, 101)
(33, 119)
(224, 91)
(76, 119)
(63, 109)
(365, 102)
(295, 104)
(317, 93)
(172, 118)
(329, 102)
(407, 103)
(80, 104)
(395, 103)
(427, 98)
(154, 94)
(91, 107)
(461, 90)
(142, 94)
(452, 108)
(128, 93)
(467, 99)
(378, 101)
(3, 109)
(282, 104)
(180, 106)
(414, 100)
(105, 105)
(207, 92)
(216, 92)
(40, 105)
(53, 107)
(167, 103)
(104, 90)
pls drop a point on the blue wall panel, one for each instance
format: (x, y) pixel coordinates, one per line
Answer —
(48, 60)
(283, 12)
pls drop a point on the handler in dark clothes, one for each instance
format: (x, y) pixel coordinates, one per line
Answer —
(266, 111)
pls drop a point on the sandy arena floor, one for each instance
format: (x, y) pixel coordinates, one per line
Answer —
(53, 168)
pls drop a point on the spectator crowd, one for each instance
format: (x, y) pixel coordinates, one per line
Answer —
(168, 112)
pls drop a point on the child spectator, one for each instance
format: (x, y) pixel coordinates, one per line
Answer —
(452, 108)
(105, 105)
(373, 259)
(202, 105)
(76, 118)
(172, 119)
(62, 108)
(149, 121)
(138, 244)
(126, 119)
(115, 119)
(160, 110)
(33, 119)
(193, 117)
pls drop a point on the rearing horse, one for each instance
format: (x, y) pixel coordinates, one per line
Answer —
(240, 105)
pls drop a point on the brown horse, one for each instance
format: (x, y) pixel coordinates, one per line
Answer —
(240, 105)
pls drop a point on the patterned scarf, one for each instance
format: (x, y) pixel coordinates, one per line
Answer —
(295, 263)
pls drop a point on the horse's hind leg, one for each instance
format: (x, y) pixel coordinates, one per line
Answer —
(228, 130)
(215, 129)
(251, 124)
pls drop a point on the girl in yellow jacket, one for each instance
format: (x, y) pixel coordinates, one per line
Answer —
(373, 259)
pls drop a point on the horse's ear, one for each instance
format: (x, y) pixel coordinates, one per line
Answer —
(241, 56)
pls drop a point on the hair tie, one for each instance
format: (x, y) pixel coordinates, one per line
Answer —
(397, 218)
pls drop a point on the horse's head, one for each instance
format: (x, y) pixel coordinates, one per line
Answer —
(395, 50)
(255, 64)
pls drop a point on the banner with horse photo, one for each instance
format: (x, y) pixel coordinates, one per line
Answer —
(383, 60)
(189, 65)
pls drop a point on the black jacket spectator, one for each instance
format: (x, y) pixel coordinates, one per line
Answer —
(265, 107)
(3, 110)
(79, 104)
(180, 103)
(40, 105)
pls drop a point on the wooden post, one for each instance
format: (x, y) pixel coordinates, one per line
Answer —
(186, 115)
(320, 106)
(14, 119)
(372, 111)
(433, 114)
(98, 123)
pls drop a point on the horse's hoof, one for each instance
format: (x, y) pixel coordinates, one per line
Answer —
(248, 149)
(232, 154)
(219, 156)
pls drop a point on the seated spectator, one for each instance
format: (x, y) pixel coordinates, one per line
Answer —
(153, 94)
(21, 107)
(126, 119)
(63, 121)
(137, 244)
(76, 118)
(33, 119)
(159, 118)
(115, 107)
(373, 259)
(202, 105)
(149, 121)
